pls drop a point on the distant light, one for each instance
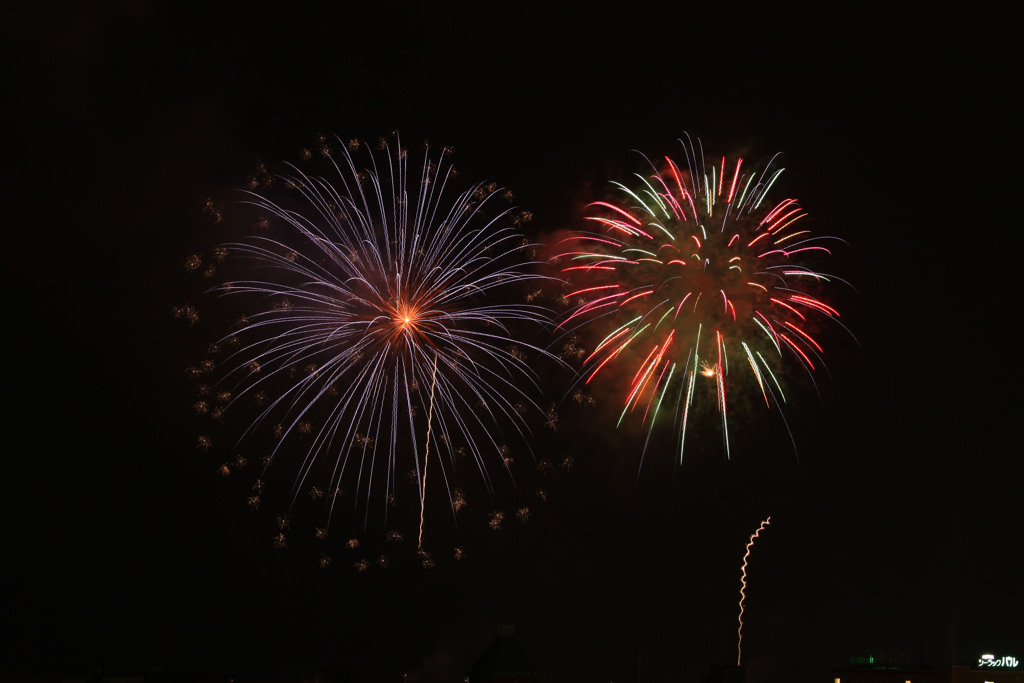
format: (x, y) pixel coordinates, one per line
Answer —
(989, 661)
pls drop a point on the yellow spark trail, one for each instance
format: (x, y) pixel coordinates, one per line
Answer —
(426, 454)
(743, 587)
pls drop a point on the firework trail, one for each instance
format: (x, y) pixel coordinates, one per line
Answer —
(361, 288)
(743, 587)
(426, 455)
(701, 283)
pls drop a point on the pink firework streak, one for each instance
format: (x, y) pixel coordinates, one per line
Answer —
(701, 284)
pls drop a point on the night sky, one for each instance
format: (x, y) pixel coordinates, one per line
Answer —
(895, 527)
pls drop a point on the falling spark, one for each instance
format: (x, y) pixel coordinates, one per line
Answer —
(426, 454)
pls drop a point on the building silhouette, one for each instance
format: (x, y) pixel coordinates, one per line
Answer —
(504, 661)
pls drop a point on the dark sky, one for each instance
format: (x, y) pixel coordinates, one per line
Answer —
(896, 531)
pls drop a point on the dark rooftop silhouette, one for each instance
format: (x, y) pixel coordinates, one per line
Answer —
(504, 661)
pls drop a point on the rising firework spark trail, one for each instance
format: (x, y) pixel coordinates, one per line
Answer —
(700, 285)
(380, 318)
(743, 588)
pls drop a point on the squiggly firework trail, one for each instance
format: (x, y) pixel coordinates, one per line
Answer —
(743, 587)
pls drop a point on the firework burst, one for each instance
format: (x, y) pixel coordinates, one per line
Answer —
(380, 325)
(699, 285)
